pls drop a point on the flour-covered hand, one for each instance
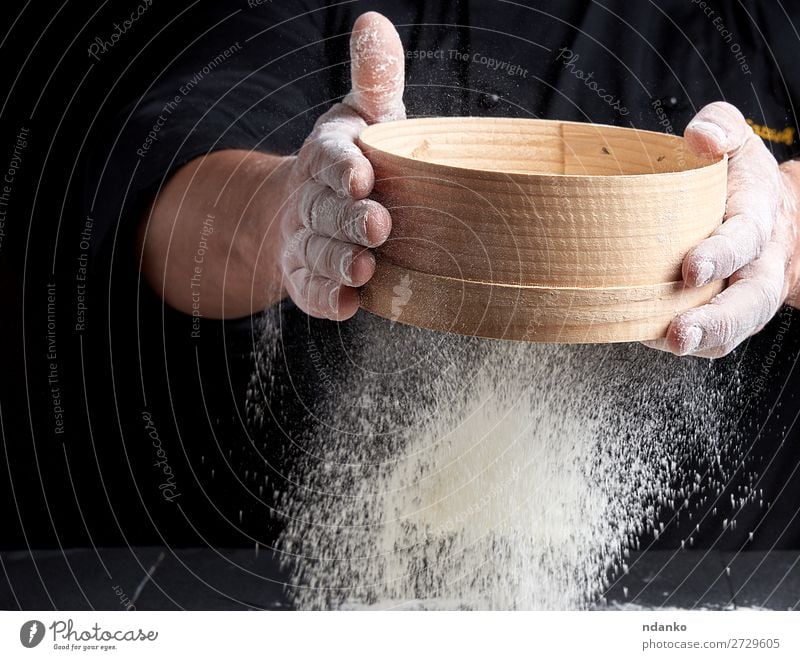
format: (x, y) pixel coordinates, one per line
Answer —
(755, 248)
(328, 224)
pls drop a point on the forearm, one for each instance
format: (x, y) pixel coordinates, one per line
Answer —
(209, 242)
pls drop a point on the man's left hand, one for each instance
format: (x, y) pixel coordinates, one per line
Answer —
(756, 247)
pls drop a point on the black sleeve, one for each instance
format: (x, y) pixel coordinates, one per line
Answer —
(781, 23)
(234, 78)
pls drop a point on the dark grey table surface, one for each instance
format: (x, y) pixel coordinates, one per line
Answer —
(153, 578)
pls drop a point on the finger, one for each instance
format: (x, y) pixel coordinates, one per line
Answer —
(716, 353)
(331, 157)
(335, 260)
(321, 297)
(363, 221)
(377, 69)
(658, 344)
(719, 128)
(752, 205)
(662, 345)
(753, 297)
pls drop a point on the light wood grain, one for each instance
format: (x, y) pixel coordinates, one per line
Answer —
(528, 313)
(548, 213)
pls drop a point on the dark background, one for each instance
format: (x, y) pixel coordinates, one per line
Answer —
(78, 488)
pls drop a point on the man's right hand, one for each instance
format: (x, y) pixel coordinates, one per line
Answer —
(328, 224)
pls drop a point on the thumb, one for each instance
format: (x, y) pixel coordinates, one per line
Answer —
(377, 69)
(719, 128)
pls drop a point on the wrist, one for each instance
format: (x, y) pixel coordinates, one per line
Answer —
(260, 243)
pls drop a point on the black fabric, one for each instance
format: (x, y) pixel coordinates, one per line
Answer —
(284, 64)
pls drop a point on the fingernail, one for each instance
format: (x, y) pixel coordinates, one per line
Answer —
(361, 224)
(347, 180)
(333, 299)
(705, 271)
(711, 130)
(692, 337)
(346, 266)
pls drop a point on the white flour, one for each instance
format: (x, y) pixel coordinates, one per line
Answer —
(444, 471)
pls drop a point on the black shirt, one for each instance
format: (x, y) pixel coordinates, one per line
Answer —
(256, 75)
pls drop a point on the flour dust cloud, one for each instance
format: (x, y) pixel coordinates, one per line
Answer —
(446, 471)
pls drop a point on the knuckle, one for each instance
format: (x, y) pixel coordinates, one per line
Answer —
(343, 214)
(294, 249)
(351, 221)
(323, 292)
(299, 287)
(306, 287)
(306, 250)
(330, 258)
(319, 208)
(742, 237)
(307, 153)
(769, 292)
(721, 328)
(726, 331)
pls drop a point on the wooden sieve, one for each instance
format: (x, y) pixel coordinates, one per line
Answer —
(538, 230)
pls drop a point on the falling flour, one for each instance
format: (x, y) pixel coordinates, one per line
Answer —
(442, 471)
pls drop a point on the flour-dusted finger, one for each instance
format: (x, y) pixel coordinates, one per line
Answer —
(377, 69)
(321, 297)
(754, 190)
(753, 297)
(331, 157)
(718, 128)
(360, 221)
(716, 353)
(335, 260)
(664, 346)
(658, 344)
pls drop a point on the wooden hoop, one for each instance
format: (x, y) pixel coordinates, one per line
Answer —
(538, 230)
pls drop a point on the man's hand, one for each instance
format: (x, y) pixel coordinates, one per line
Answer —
(278, 225)
(328, 224)
(756, 247)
